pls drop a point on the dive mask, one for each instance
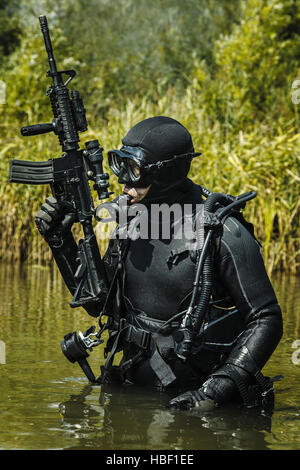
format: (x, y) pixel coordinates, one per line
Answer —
(133, 166)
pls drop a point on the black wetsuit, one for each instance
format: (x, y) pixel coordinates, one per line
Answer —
(242, 327)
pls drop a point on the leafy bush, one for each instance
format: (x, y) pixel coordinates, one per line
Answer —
(223, 69)
(10, 29)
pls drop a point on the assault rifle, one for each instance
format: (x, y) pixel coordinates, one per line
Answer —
(69, 174)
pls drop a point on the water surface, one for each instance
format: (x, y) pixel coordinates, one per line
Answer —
(46, 402)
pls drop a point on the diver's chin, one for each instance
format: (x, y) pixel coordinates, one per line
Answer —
(136, 194)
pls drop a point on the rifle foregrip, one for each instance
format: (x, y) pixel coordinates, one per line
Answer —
(37, 129)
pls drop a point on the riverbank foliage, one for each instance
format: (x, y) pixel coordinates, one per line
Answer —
(225, 69)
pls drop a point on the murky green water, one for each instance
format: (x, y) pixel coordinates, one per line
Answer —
(46, 403)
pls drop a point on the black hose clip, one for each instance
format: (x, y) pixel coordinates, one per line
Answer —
(184, 337)
(211, 220)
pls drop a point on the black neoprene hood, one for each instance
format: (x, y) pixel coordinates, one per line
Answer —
(161, 136)
(162, 148)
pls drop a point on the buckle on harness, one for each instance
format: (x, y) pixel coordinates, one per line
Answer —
(132, 334)
(140, 338)
(122, 323)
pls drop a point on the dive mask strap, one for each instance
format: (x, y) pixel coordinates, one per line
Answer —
(170, 161)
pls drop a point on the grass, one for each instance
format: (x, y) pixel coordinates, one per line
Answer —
(260, 158)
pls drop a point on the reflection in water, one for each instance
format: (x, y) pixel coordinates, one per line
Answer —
(137, 419)
(46, 403)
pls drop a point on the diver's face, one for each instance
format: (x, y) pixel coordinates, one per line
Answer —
(137, 194)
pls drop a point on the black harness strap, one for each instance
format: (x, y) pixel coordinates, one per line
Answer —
(145, 341)
(105, 370)
(161, 368)
(123, 248)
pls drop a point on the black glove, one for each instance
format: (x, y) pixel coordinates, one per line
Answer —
(216, 390)
(54, 220)
(188, 400)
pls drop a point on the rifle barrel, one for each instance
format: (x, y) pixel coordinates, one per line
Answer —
(48, 45)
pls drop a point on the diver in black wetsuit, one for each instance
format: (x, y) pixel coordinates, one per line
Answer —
(207, 337)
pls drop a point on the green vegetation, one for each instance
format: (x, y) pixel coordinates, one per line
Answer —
(10, 28)
(223, 68)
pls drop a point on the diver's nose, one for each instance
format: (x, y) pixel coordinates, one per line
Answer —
(124, 177)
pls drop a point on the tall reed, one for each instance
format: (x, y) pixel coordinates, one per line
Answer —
(258, 159)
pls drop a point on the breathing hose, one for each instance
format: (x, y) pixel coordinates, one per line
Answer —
(194, 316)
